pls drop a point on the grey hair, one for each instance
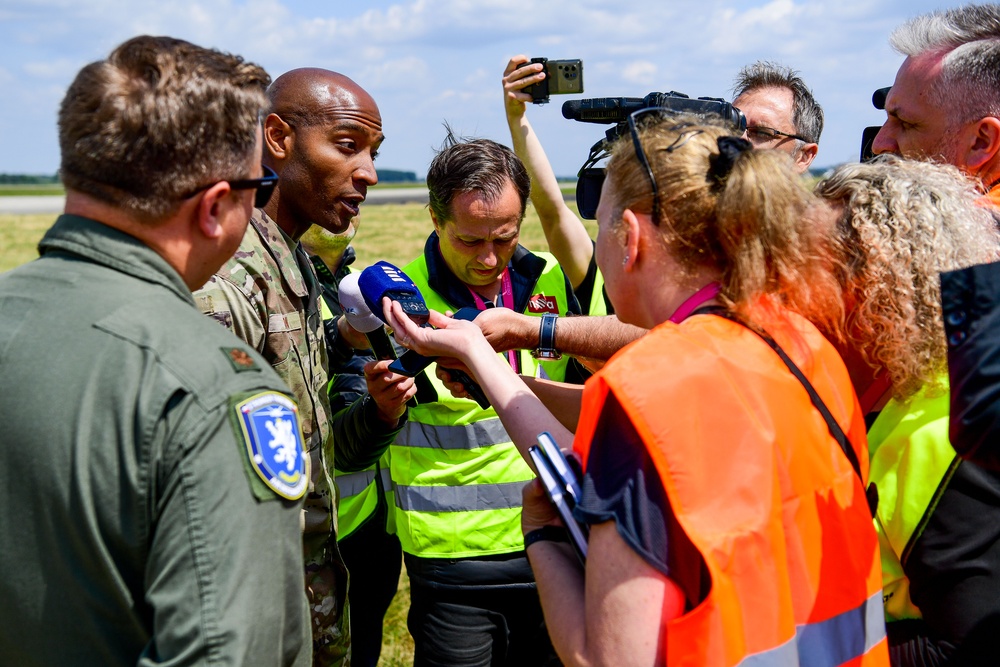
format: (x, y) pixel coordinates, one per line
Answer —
(807, 114)
(969, 36)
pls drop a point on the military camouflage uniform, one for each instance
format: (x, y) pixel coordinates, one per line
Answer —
(268, 295)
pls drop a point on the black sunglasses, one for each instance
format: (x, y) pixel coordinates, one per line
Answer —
(591, 179)
(264, 186)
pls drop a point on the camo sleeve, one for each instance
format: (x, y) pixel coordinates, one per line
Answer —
(231, 306)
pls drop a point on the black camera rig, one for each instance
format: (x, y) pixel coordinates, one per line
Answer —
(616, 110)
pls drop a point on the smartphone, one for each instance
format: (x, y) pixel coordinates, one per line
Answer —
(562, 77)
(557, 493)
(560, 464)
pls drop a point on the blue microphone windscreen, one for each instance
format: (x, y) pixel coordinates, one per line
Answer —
(382, 279)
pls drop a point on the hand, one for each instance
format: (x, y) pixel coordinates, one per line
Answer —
(457, 389)
(354, 338)
(389, 390)
(506, 329)
(514, 80)
(450, 337)
(536, 509)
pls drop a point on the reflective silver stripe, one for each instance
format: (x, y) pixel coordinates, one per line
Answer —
(483, 433)
(828, 643)
(459, 498)
(353, 483)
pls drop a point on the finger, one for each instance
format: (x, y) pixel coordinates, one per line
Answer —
(514, 62)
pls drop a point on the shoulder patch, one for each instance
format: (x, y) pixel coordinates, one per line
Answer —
(240, 359)
(273, 438)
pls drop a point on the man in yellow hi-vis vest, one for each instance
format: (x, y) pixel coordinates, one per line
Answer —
(457, 476)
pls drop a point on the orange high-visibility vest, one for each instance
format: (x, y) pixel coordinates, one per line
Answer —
(760, 487)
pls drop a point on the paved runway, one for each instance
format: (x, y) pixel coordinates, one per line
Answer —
(54, 204)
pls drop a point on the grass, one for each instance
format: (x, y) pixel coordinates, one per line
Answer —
(31, 190)
(393, 232)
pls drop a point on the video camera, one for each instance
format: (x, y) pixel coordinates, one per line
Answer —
(868, 134)
(607, 110)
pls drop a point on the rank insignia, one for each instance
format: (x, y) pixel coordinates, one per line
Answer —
(240, 359)
(270, 424)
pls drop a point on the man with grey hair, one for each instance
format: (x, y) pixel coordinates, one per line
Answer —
(781, 111)
(945, 102)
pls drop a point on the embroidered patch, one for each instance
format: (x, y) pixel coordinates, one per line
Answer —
(270, 424)
(240, 359)
(540, 303)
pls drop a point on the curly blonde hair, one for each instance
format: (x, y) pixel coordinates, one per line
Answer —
(903, 222)
(756, 222)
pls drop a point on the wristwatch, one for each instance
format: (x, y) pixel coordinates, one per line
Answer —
(546, 349)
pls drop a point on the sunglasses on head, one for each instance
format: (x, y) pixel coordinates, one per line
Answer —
(591, 179)
(264, 186)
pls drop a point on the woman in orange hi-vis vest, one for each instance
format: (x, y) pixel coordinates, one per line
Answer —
(724, 452)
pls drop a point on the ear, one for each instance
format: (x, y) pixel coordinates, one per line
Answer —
(278, 136)
(437, 224)
(805, 157)
(215, 202)
(982, 142)
(630, 220)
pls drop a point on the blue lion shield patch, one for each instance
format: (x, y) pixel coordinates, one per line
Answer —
(274, 443)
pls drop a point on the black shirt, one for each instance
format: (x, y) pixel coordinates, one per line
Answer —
(622, 485)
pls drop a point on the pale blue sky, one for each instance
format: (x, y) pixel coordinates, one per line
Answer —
(427, 62)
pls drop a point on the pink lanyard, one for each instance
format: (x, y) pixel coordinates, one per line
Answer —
(706, 293)
(506, 301)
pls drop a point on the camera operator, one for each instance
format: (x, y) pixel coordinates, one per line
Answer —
(781, 112)
(709, 472)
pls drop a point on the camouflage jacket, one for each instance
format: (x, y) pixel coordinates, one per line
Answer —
(268, 295)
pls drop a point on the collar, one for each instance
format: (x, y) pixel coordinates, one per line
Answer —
(98, 243)
(287, 253)
(525, 270)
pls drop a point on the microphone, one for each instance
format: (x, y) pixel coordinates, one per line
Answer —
(360, 316)
(382, 279)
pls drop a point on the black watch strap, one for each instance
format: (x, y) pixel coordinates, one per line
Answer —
(547, 338)
(546, 534)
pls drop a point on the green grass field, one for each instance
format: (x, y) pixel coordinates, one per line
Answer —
(395, 233)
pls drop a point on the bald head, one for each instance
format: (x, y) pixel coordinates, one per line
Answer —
(314, 96)
(322, 135)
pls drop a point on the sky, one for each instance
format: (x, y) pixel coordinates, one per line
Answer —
(429, 62)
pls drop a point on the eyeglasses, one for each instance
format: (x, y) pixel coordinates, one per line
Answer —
(264, 186)
(682, 138)
(762, 135)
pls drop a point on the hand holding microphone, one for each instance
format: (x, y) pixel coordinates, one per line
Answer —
(361, 318)
(383, 280)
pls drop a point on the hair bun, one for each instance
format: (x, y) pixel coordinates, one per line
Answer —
(730, 148)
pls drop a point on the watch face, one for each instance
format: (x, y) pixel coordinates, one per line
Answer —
(546, 355)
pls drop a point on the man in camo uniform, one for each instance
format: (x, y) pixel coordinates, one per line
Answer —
(321, 136)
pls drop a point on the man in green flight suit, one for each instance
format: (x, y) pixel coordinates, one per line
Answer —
(321, 134)
(148, 454)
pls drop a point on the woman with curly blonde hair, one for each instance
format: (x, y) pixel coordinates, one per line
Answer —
(902, 223)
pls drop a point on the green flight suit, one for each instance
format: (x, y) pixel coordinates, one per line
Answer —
(134, 529)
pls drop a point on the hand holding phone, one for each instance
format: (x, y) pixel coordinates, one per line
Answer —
(562, 486)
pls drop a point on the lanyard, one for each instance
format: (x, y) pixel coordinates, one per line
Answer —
(506, 300)
(706, 293)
